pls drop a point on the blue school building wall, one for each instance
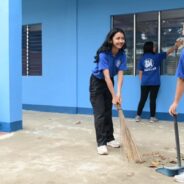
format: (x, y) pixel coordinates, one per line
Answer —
(10, 71)
(56, 89)
(71, 33)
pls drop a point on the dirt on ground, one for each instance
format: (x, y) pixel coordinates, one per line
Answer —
(55, 148)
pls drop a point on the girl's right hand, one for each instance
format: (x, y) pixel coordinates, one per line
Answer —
(172, 109)
(116, 100)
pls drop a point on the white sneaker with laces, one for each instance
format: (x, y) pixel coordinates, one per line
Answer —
(179, 178)
(114, 144)
(102, 150)
(137, 118)
(153, 120)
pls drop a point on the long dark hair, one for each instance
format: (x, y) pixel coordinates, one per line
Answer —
(107, 44)
(148, 47)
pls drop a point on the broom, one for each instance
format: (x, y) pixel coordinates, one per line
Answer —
(129, 146)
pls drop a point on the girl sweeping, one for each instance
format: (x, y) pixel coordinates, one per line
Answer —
(110, 60)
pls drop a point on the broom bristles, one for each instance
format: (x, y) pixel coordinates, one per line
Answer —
(129, 146)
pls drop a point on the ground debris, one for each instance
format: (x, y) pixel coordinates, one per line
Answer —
(150, 154)
(155, 159)
(139, 161)
(154, 164)
(155, 154)
(172, 162)
(77, 122)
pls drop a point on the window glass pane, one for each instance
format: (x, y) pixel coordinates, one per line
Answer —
(146, 30)
(172, 24)
(125, 22)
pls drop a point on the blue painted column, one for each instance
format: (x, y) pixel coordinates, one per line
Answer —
(10, 65)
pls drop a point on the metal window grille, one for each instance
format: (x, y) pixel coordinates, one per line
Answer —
(32, 50)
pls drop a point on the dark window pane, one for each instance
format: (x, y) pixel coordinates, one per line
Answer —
(146, 30)
(172, 28)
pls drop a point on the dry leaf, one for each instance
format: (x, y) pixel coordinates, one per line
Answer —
(172, 162)
(154, 164)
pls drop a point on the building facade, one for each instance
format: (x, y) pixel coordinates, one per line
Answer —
(59, 41)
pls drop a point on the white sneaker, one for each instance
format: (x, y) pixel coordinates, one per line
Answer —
(137, 118)
(179, 178)
(114, 144)
(102, 150)
(153, 119)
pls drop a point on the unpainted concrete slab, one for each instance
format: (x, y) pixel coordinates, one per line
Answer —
(56, 148)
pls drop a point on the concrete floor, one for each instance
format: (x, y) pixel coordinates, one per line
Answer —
(58, 148)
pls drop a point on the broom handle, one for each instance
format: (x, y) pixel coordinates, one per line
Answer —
(177, 140)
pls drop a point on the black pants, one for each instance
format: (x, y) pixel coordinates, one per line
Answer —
(101, 100)
(145, 90)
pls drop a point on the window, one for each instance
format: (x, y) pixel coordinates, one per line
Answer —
(32, 50)
(172, 28)
(146, 29)
(163, 28)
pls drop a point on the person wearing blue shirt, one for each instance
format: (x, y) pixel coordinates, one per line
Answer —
(149, 74)
(178, 94)
(180, 84)
(110, 60)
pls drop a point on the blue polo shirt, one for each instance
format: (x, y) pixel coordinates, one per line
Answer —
(149, 64)
(180, 68)
(110, 62)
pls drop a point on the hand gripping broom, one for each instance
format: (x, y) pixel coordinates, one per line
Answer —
(130, 149)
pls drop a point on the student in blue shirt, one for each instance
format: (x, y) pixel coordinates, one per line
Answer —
(110, 60)
(178, 94)
(149, 74)
(180, 84)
